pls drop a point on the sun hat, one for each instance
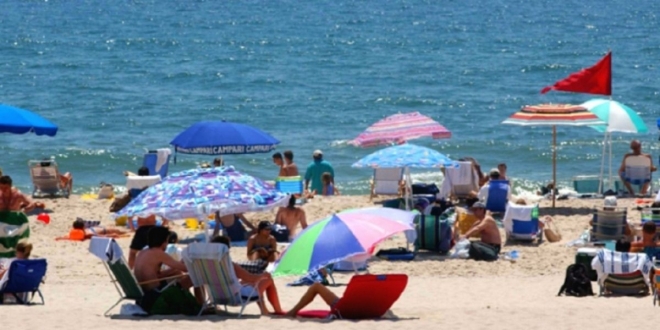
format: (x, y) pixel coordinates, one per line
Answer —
(610, 201)
(317, 153)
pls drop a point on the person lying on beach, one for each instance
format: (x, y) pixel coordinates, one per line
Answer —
(489, 247)
(262, 245)
(140, 238)
(80, 233)
(291, 216)
(316, 289)
(12, 199)
(264, 282)
(23, 251)
(160, 298)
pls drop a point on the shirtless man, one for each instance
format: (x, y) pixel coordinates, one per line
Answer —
(12, 199)
(291, 216)
(277, 160)
(636, 148)
(290, 168)
(489, 247)
(148, 271)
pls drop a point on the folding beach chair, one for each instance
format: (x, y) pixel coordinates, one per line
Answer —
(588, 185)
(22, 280)
(637, 171)
(14, 226)
(366, 297)
(135, 184)
(460, 180)
(498, 196)
(622, 273)
(46, 179)
(157, 161)
(210, 267)
(608, 225)
(521, 222)
(387, 181)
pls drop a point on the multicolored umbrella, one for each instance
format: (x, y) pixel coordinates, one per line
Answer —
(405, 155)
(553, 115)
(19, 121)
(341, 236)
(399, 128)
(201, 192)
(619, 117)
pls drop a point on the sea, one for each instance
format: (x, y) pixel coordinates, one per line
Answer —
(121, 77)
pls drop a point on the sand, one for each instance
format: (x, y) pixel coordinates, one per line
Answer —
(463, 294)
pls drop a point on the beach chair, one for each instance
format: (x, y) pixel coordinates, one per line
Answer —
(22, 280)
(366, 297)
(638, 171)
(157, 161)
(498, 196)
(210, 267)
(135, 184)
(289, 184)
(47, 179)
(608, 225)
(521, 222)
(460, 181)
(622, 273)
(588, 185)
(387, 181)
(14, 227)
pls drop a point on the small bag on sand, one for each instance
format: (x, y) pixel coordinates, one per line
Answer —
(551, 231)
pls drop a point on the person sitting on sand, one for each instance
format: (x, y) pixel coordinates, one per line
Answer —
(264, 282)
(291, 216)
(316, 289)
(12, 199)
(489, 247)
(262, 245)
(80, 233)
(636, 148)
(290, 168)
(329, 188)
(160, 298)
(234, 227)
(23, 251)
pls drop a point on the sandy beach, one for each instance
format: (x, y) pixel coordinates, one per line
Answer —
(463, 294)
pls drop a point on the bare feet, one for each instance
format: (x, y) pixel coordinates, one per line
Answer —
(291, 314)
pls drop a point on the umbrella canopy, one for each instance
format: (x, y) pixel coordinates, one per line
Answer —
(405, 155)
(399, 128)
(200, 192)
(553, 115)
(341, 236)
(19, 121)
(619, 117)
(223, 138)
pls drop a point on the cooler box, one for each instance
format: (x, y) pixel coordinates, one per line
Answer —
(585, 256)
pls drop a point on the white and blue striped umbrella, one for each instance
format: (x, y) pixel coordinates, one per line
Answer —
(405, 155)
(619, 117)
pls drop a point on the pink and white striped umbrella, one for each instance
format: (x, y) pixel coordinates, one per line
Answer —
(399, 128)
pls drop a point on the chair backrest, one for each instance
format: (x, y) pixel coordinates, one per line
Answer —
(387, 180)
(463, 178)
(637, 170)
(521, 220)
(14, 226)
(498, 195)
(44, 178)
(124, 277)
(289, 184)
(141, 182)
(608, 225)
(210, 265)
(25, 275)
(626, 284)
(370, 296)
(151, 160)
(587, 184)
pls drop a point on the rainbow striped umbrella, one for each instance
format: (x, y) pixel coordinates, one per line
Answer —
(553, 115)
(399, 128)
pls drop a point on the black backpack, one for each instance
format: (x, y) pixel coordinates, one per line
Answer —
(576, 283)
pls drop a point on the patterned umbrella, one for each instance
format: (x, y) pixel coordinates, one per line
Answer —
(399, 128)
(200, 192)
(553, 115)
(405, 155)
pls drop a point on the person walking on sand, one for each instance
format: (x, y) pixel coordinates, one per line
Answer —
(315, 171)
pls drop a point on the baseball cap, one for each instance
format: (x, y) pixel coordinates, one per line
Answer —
(494, 171)
(478, 205)
(610, 201)
(318, 152)
(264, 225)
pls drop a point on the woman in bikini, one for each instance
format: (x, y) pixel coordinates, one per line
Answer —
(262, 245)
(12, 199)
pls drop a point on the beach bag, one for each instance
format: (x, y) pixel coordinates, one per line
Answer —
(551, 231)
(576, 283)
(281, 233)
(434, 231)
(425, 189)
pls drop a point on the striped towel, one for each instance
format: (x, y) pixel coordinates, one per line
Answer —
(611, 262)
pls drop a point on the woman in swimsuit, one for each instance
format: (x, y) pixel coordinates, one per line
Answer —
(262, 245)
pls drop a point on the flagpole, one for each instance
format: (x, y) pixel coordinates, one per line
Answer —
(554, 164)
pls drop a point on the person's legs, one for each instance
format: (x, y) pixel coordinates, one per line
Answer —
(315, 289)
(627, 184)
(186, 283)
(644, 189)
(268, 286)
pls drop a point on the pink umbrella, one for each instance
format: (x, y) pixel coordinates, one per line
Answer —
(399, 128)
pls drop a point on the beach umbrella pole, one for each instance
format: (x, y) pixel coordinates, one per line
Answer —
(602, 165)
(554, 164)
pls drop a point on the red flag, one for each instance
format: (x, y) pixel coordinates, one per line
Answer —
(594, 80)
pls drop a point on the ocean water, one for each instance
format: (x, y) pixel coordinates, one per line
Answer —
(120, 77)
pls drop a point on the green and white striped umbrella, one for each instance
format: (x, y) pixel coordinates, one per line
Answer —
(619, 117)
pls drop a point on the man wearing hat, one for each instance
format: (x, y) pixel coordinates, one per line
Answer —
(494, 175)
(315, 171)
(489, 247)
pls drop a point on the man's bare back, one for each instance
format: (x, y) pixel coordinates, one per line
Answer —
(490, 234)
(148, 265)
(291, 169)
(291, 217)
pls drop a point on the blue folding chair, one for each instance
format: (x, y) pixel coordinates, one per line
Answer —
(150, 161)
(521, 222)
(24, 278)
(498, 196)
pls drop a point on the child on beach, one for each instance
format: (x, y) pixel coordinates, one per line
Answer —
(329, 188)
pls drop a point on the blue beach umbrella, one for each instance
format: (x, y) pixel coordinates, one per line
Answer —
(405, 155)
(19, 121)
(223, 138)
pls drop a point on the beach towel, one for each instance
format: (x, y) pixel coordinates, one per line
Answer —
(309, 279)
(517, 213)
(608, 262)
(162, 156)
(14, 227)
(105, 249)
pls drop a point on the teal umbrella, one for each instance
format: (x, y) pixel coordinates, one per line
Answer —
(618, 116)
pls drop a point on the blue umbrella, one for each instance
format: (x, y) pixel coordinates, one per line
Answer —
(223, 138)
(19, 121)
(405, 155)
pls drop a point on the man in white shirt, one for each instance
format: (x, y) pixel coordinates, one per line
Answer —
(483, 192)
